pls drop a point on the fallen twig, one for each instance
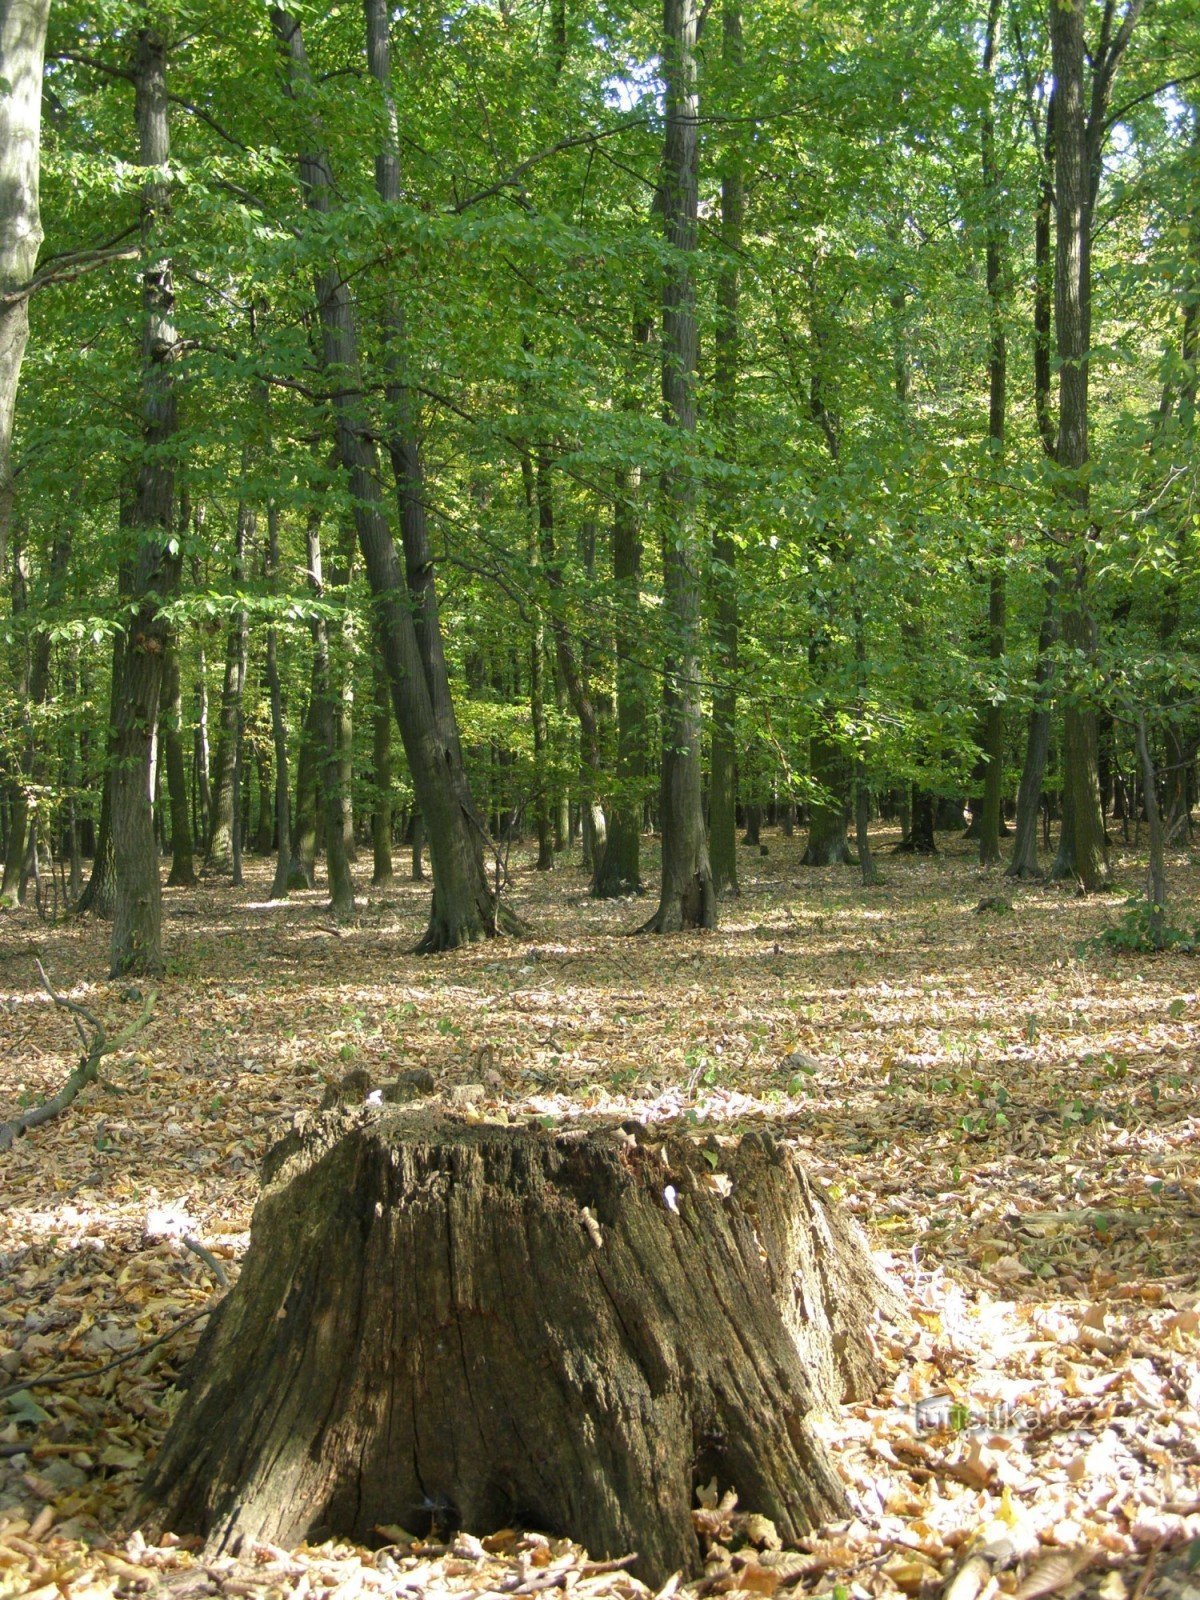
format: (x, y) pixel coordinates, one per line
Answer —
(96, 1046)
(54, 1380)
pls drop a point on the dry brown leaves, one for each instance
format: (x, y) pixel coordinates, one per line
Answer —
(1011, 1116)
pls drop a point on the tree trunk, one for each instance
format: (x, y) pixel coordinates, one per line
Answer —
(722, 789)
(17, 785)
(381, 809)
(22, 43)
(183, 870)
(990, 818)
(572, 673)
(619, 870)
(463, 908)
(219, 857)
(1080, 129)
(920, 839)
(137, 898)
(327, 743)
(302, 870)
(687, 898)
(827, 843)
(1156, 876)
(482, 1325)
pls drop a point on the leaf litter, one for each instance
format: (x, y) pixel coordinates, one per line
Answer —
(1009, 1113)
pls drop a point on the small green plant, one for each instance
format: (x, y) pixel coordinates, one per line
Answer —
(1141, 930)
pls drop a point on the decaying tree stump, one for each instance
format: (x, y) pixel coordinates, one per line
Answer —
(475, 1325)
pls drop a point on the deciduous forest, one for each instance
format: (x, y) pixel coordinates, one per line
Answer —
(599, 732)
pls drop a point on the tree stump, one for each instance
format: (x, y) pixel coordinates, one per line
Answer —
(475, 1325)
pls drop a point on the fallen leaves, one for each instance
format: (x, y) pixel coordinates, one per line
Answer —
(1013, 1122)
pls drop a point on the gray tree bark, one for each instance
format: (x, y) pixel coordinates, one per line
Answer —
(687, 897)
(22, 46)
(137, 892)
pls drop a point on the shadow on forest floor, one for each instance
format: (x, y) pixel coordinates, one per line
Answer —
(1010, 1113)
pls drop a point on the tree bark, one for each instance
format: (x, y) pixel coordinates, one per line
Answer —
(327, 743)
(479, 1325)
(619, 869)
(827, 844)
(279, 733)
(22, 45)
(382, 806)
(464, 908)
(137, 897)
(722, 789)
(991, 819)
(219, 857)
(687, 897)
(1080, 129)
(183, 869)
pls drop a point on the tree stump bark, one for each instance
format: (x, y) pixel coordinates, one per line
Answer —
(474, 1325)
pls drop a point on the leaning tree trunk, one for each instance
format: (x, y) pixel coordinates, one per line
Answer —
(464, 908)
(496, 1324)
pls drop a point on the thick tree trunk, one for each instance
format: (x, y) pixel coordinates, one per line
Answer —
(827, 843)
(920, 839)
(463, 908)
(484, 1325)
(137, 897)
(22, 43)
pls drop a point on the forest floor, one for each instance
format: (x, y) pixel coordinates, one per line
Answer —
(1010, 1112)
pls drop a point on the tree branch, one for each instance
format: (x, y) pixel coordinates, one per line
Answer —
(95, 1048)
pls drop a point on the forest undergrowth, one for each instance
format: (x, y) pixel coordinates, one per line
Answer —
(1007, 1107)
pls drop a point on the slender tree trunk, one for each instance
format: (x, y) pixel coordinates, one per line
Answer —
(687, 897)
(220, 844)
(279, 735)
(463, 905)
(22, 43)
(1023, 862)
(17, 785)
(722, 798)
(137, 900)
(302, 872)
(1156, 877)
(619, 870)
(1080, 129)
(183, 869)
(991, 819)
(571, 671)
(381, 810)
(329, 765)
